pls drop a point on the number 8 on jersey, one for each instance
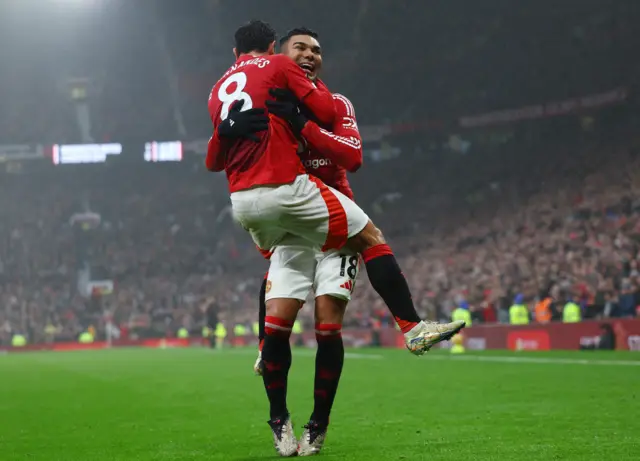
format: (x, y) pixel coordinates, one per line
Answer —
(226, 98)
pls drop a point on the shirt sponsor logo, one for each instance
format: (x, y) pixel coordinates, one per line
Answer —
(316, 163)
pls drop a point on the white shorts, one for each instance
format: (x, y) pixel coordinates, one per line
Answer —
(306, 208)
(297, 268)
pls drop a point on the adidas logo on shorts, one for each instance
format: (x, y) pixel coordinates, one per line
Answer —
(348, 285)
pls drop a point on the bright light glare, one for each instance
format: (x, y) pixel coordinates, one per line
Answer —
(73, 2)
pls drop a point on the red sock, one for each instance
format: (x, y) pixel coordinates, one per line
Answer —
(276, 356)
(387, 279)
(329, 362)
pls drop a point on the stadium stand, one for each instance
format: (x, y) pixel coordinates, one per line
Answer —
(480, 213)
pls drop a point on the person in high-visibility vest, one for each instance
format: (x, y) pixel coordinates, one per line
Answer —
(518, 312)
(542, 310)
(18, 340)
(183, 333)
(220, 333)
(256, 329)
(86, 337)
(207, 334)
(457, 344)
(571, 312)
(239, 330)
(296, 331)
(462, 313)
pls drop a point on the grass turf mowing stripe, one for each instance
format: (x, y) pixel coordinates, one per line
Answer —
(442, 354)
(559, 361)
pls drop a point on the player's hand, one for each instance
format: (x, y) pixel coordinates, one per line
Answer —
(287, 107)
(243, 124)
(284, 95)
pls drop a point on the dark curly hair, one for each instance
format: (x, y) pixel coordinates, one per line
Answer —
(254, 36)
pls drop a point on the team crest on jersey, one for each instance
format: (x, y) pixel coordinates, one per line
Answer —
(267, 288)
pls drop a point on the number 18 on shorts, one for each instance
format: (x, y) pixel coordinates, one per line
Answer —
(295, 271)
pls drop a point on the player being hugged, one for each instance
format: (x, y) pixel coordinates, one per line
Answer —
(275, 200)
(296, 267)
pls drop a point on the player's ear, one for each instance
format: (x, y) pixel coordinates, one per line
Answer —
(235, 52)
(272, 48)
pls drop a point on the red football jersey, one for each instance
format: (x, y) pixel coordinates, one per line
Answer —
(273, 160)
(330, 154)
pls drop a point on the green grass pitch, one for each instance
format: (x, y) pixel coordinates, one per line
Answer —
(198, 404)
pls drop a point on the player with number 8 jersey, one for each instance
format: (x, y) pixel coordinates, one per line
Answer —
(273, 197)
(274, 205)
(271, 194)
(274, 159)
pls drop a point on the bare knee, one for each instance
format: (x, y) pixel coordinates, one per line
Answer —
(283, 308)
(330, 310)
(368, 237)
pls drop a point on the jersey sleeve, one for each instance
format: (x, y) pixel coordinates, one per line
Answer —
(215, 153)
(318, 99)
(343, 146)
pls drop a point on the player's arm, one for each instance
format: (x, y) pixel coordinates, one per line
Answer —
(215, 153)
(318, 99)
(342, 145)
(238, 125)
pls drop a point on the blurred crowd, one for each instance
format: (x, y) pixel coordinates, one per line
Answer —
(563, 223)
(544, 209)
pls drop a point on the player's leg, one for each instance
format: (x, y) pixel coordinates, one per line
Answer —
(259, 211)
(348, 225)
(334, 281)
(276, 358)
(289, 282)
(387, 279)
(322, 215)
(262, 312)
(329, 312)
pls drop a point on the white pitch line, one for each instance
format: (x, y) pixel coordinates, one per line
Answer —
(486, 358)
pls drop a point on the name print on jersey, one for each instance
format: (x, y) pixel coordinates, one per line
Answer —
(260, 62)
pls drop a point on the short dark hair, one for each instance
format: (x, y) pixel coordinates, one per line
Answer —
(298, 31)
(254, 36)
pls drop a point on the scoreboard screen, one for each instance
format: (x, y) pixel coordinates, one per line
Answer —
(67, 154)
(163, 151)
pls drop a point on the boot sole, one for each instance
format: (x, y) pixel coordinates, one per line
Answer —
(446, 336)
